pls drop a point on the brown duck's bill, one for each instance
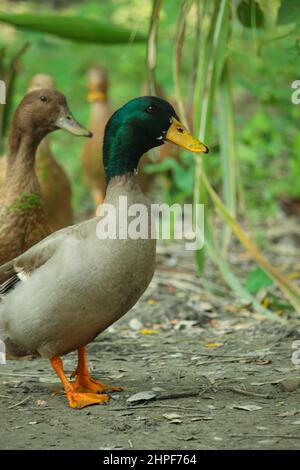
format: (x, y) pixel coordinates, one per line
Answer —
(67, 122)
(179, 135)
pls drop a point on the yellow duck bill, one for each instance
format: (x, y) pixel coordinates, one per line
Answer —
(179, 135)
(67, 122)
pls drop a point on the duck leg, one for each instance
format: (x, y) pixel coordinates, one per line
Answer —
(84, 381)
(76, 399)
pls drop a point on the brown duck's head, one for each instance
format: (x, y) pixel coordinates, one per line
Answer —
(41, 81)
(44, 111)
(97, 83)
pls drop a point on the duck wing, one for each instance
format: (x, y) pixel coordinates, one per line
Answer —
(21, 268)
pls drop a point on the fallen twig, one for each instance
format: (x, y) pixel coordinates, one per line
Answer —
(260, 436)
(228, 356)
(143, 407)
(175, 395)
(247, 392)
(19, 403)
(17, 374)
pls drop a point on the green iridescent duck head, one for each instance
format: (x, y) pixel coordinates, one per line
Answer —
(140, 125)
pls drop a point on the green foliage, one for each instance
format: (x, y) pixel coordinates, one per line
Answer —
(26, 203)
(249, 124)
(258, 13)
(289, 12)
(9, 63)
(71, 27)
(250, 14)
(182, 177)
(256, 280)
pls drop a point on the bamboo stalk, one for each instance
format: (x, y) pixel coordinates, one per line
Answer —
(185, 6)
(151, 46)
(213, 50)
(8, 74)
(227, 147)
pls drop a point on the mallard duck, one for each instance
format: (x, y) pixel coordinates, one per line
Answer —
(64, 291)
(23, 220)
(54, 182)
(100, 112)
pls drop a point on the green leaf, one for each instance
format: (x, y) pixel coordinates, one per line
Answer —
(160, 167)
(183, 176)
(250, 14)
(71, 27)
(256, 280)
(289, 12)
(227, 147)
(270, 10)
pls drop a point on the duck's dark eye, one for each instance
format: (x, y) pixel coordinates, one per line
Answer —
(151, 109)
(44, 99)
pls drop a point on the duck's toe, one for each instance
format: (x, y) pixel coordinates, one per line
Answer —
(85, 383)
(81, 400)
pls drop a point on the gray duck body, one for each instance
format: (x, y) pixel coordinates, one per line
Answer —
(79, 284)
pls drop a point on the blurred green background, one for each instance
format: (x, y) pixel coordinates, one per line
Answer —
(230, 64)
(267, 135)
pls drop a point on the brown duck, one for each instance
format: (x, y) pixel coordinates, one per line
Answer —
(23, 218)
(54, 182)
(99, 114)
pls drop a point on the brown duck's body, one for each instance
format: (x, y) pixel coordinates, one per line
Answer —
(92, 153)
(100, 112)
(23, 217)
(54, 182)
(55, 188)
(54, 185)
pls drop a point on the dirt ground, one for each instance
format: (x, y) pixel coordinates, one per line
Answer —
(220, 377)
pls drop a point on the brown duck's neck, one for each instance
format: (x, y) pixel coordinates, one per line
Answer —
(98, 107)
(22, 149)
(44, 151)
(99, 115)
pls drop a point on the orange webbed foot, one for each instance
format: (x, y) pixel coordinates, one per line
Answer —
(76, 399)
(81, 400)
(85, 383)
